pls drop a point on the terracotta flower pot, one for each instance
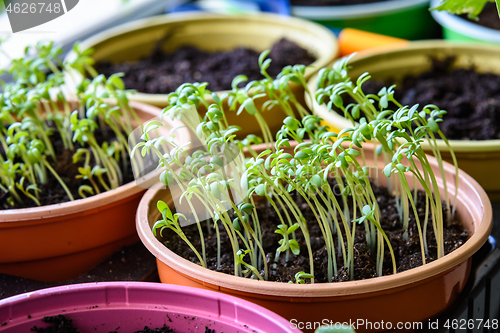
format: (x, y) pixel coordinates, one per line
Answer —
(59, 242)
(474, 157)
(410, 296)
(129, 306)
(215, 32)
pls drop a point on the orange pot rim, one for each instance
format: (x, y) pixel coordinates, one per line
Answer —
(322, 290)
(46, 214)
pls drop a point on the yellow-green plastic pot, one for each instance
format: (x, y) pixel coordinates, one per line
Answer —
(480, 159)
(215, 32)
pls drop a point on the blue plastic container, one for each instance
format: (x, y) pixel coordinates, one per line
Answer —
(281, 7)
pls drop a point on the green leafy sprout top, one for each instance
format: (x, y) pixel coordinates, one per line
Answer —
(36, 106)
(221, 180)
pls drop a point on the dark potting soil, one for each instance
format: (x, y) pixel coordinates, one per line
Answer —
(162, 73)
(332, 2)
(407, 253)
(164, 329)
(61, 324)
(471, 99)
(488, 17)
(52, 192)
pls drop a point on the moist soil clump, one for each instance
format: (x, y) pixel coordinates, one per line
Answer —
(164, 329)
(471, 99)
(407, 253)
(52, 192)
(332, 2)
(61, 324)
(162, 73)
(487, 18)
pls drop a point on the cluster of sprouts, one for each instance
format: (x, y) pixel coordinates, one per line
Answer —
(36, 106)
(220, 181)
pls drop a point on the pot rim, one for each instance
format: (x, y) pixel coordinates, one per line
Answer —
(44, 214)
(464, 27)
(356, 11)
(187, 17)
(134, 295)
(473, 146)
(321, 290)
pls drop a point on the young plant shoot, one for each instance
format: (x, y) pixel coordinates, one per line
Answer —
(37, 113)
(302, 168)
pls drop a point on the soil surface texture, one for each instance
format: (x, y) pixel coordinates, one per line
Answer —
(471, 99)
(407, 253)
(52, 192)
(61, 324)
(162, 73)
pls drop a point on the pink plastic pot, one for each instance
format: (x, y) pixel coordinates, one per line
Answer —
(129, 306)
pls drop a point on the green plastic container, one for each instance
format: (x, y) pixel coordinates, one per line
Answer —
(408, 19)
(459, 29)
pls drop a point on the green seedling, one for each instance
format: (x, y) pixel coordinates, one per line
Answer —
(171, 221)
(335, 329)
(250, 270)
(470, 7)
(287, 244)
(228, 178)
(301, 276)
(36, 109)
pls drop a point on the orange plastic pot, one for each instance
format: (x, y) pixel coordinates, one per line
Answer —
(58, 242)
(411, 296)
(215, 32)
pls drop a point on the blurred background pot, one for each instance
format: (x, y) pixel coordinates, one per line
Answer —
(215, 32)
(59, 242)
(414, 295)
(477, 158)
(281, 7)
(408, 19)
(129, 306)
(460, 29)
